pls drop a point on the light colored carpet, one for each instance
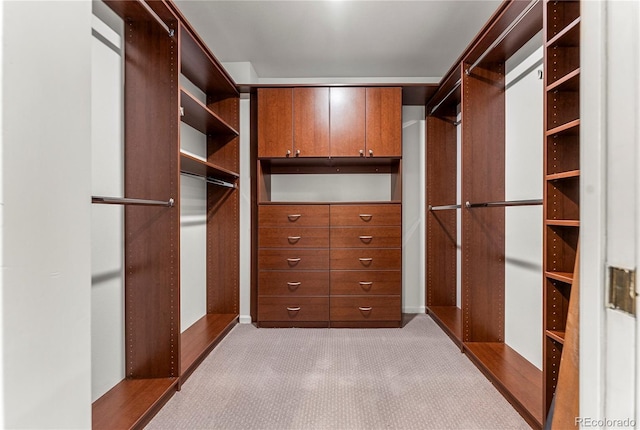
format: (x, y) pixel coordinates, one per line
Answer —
(408, 378)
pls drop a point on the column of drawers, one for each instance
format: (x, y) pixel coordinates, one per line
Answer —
(293, 261)
(366, 265)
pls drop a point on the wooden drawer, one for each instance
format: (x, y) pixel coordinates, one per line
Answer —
(293, 259)
(293, 309)
(366, 259)
(366, 237)
(366, 308)
(368, 282)
(296, 237)
(293, 216)
(293, 283)
(361, 215)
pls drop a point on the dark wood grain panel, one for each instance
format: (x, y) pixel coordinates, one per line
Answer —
(275, 122)
(152, 257)
(366, 237)
(515, 377)
(223, 250)
(131, 403)
(294, 216)
(483, 234)
(199, 339)
(294, 237)
(291, 309)
(294, 283)
(364, 283)
(347, 114)
(366, 308)
(293, 259)
(311, 122)
(366, 259)
(441, 241)
(384, 122)
(366, 215)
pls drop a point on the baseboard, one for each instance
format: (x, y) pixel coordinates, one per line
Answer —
(244, 319)
(414, 310)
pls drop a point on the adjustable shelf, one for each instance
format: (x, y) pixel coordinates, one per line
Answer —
(558, 336)
(562, 223)
(196, 166)
(568, 36)
(570, 82)
(200, 117)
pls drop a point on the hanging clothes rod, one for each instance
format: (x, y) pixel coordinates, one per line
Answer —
(535, 202)
(444, 208)
(155, 16)
(125, 201)
(211, 180)
(455, 87)
(504, 34)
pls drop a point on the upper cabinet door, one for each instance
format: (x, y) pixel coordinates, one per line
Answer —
(384, 122)
(275, 122)
(311, 122)
(347, 122)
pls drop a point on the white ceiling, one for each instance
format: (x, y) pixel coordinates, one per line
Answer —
(339, 39)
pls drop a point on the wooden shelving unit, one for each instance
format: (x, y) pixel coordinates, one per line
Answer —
(158, 357)
(475, 88)
(562, 176)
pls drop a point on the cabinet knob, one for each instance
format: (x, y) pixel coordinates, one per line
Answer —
(366, 239)
(365, 308)
(362, 152)
(288, 152)
(297, 152)
(366, 217)
(293, 260)
(371, 152)
(293, 239)
(293, 308)
(294, 284)
(365, 260)
(365, 283)
(294, 217)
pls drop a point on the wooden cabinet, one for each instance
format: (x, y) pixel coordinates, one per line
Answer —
(275, 122)
(293, 265)
(348, 121)
(366, 265)
(347, 258)
(562, 179)
(311, 122)
(319, 122)
(384, 122)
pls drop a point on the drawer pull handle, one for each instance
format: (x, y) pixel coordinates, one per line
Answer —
(366, 260)
(365, 308)
(293, 260)
(294, 284)
(294, 217)
(366, 283)
(366, 238)
(293, 239)
(293, 308)
(366, 217)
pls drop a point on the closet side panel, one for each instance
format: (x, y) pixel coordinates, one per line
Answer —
(223, 250)
(151, 233)
(483, 240)
(441, 225)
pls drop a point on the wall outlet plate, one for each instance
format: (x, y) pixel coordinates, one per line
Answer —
(622, 289)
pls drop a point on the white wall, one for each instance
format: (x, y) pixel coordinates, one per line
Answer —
(413, 204)
(46, 168)
(2, 420)
(524, 225)
(245, 209)
(107, 221)
(314, 187)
